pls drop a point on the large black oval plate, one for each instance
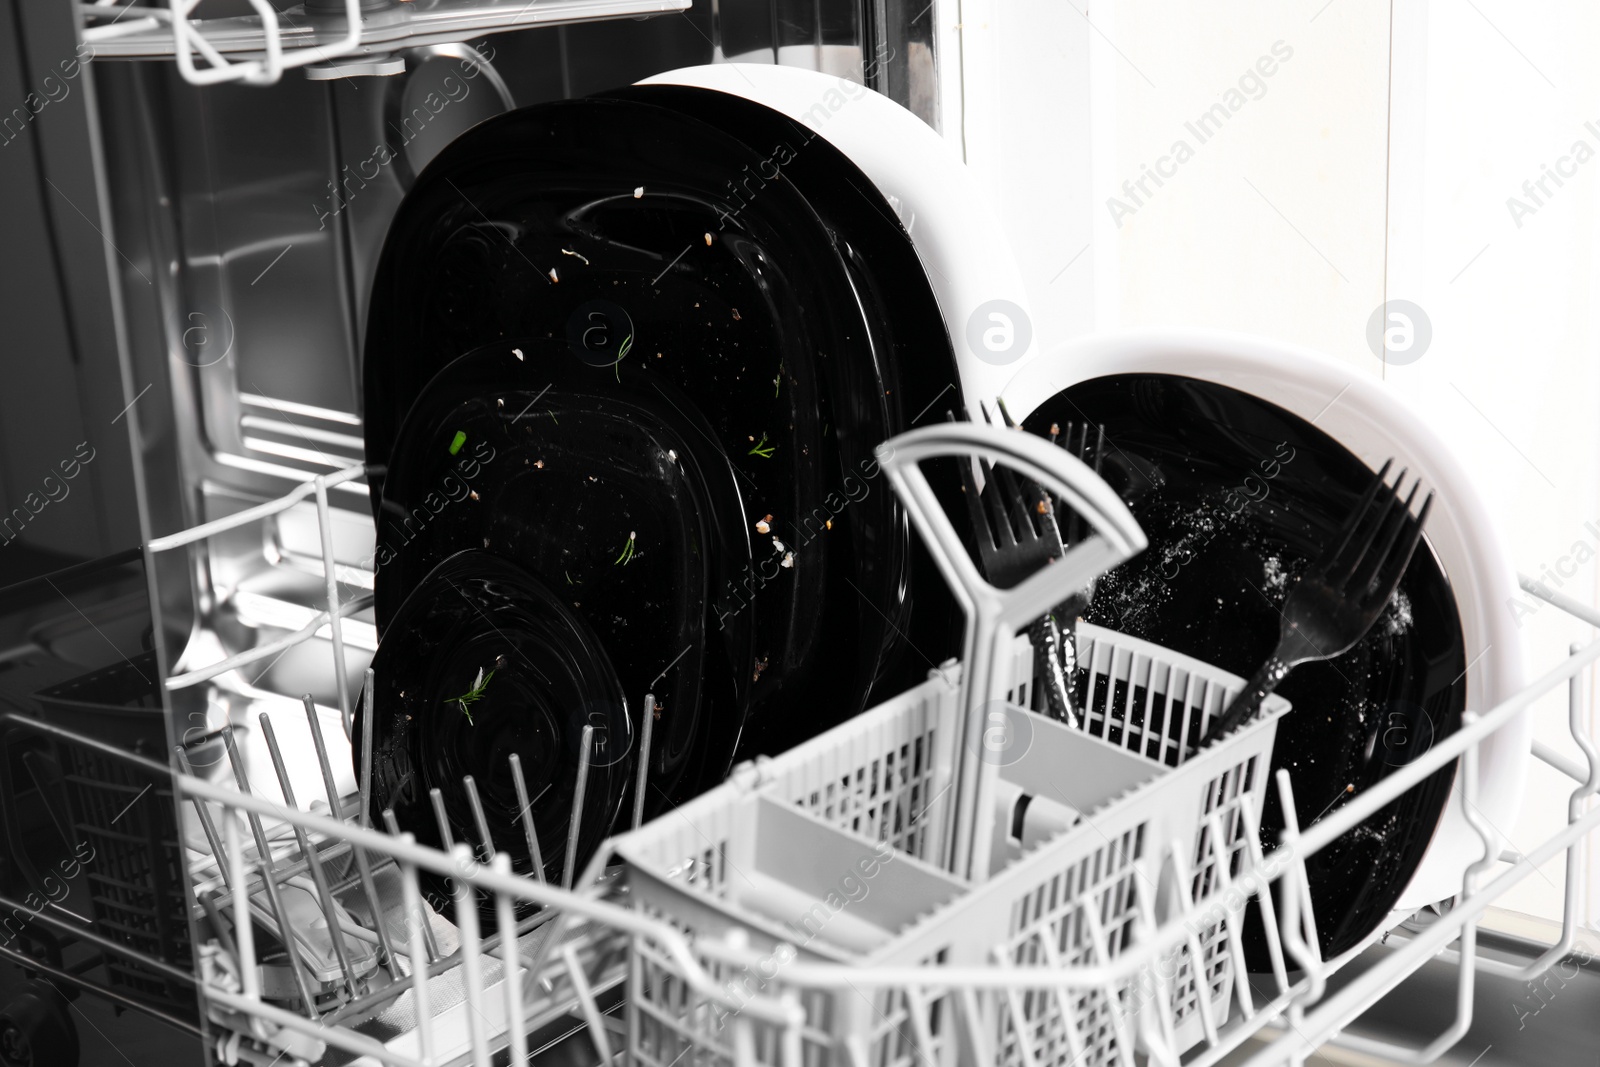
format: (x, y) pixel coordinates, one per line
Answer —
(801, 340)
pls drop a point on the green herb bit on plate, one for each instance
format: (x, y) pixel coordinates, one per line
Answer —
(473, 695)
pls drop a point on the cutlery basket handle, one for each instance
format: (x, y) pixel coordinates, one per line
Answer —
(995, 615)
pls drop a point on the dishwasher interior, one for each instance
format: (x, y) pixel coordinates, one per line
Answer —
(228, 580)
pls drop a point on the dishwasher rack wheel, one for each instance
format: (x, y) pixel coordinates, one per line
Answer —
(36, 1029)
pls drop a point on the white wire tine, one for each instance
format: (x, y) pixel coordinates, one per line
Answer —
(369, 889)
(1297, 927)
(1062, 993)
(1163, 1043)
(244, 933)
(1197, 960)
(446, 838)
(319, 877)
(967, 1004)
(569, 871)
(917, 1009)
(364, 784)
(475, 802)
(330, 788)
(1269, 912)
(792, 1048)
(511, 961)
(392, 824)
(269, 879)
(525, 816)
(206, 822)
(744, 1043)
(1102, 950)
(471, 950)
(586, 1003)
(1021, 1029)
(1234, 924)
(642, 780)
(416, 923)
(324, 513)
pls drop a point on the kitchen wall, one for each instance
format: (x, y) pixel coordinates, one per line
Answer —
(1370, 151)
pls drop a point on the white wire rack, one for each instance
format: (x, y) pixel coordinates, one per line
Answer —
(454, 993)
(331, 39)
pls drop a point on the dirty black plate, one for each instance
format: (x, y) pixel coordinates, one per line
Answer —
(640, 237)
(545, 676)
(1237, 496)
(604, 485)
(909, 351)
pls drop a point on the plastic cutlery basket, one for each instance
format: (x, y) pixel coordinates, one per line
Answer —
(839, 852)
(832, 849)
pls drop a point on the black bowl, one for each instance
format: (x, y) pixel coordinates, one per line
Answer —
(1237, 496)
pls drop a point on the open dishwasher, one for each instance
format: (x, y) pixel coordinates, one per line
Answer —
(207, 859)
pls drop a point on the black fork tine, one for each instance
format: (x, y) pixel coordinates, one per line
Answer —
(1010, 503)
(1010, 486)
(1098, 460)
(1394, 567)
(1383, 541)
(981, 531)
(1004, 535)
(1075, 534)
(1340, 561)
(1383, 511)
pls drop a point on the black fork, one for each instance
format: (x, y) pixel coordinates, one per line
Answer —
(1017, 530)
(1338, 599)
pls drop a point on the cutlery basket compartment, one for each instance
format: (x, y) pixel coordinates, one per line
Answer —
(1127, 801)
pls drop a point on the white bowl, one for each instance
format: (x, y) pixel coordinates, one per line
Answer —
(957, 233)
(1373, 424)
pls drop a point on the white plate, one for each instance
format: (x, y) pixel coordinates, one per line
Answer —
(956, 231)
(1374, 425)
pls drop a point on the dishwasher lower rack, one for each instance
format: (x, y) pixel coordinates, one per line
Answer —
(473, 995)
